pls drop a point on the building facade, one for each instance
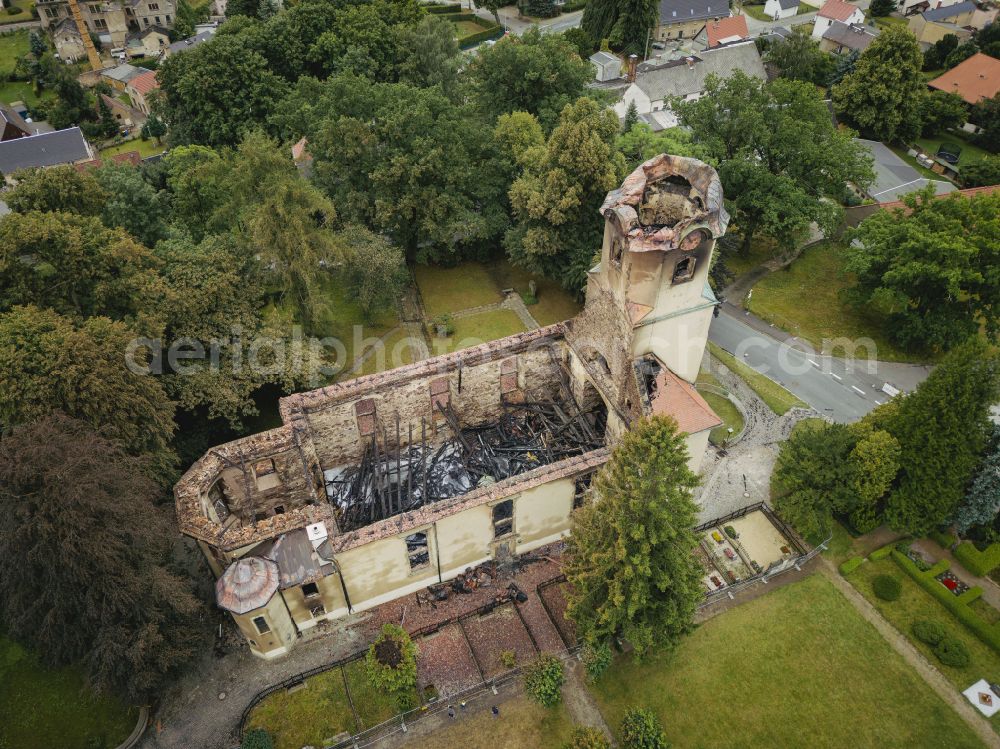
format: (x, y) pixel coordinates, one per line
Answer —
(384, 485)
(111, 22)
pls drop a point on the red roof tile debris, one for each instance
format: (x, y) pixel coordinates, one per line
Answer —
(678, 398)
(974, 79)
(725, 29)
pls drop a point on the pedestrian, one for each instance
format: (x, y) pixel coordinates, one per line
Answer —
(461, 705)
(496, 711)
(451, 711)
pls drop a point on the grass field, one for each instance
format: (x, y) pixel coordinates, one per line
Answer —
(12, 45)
(453, 289)
(467, 28)
(476, 329)
(797, 667)
(145, 148)
(396, 350)
(25, 15)
(554, 304)
(761, 250)
(970, 153)
(756, 11)
(804, 299)
(774, 395)
(522, 725)
(915, 604)
(42, 708)
(730, 415)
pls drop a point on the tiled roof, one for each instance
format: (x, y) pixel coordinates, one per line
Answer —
(974, 79)
(678, 398)
(145, 83)
(851, 36)
(838, 10)
(679, 11)
(943, 14)
(45, 149)
(969, 192)
(247, 585)
(7, 114)
(727, 30)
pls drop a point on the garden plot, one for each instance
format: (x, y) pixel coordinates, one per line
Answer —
(764, 543)
(495, 634)
(724, 555)
(556, 604)
(713, 579)
(446, 663)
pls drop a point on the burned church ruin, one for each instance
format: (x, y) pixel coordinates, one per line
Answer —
(377, 487)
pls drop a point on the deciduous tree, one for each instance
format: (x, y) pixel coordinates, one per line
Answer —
(631, 563)
(942, 110)
(374, 267)
(58, 188)
(799, 57)
(626, 24)
(132, 203)
(985, 171)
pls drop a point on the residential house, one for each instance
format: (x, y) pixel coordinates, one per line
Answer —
(656, 84)
(933, 25)
(193, 41)
(149, 42)
(836, 10)
(296, 533)
(106, 20)
(119, 76)
(894, 177)
(128, 117)
(12, 125)
(44, 149)
(727, 30)
(974, 79)
(911, 7)
(684, 19)
(143, 14)
(842, 38)
(140, 89)
(67, 40)
(607, 66)
(778, 9)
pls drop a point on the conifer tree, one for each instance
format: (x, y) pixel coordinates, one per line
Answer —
(983, 500)
(631, 563)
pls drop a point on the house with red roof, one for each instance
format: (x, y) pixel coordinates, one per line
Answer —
(974, 79)
(140, 88)
(727, 30)
(836, 10)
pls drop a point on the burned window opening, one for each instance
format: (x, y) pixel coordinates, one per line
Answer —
(503, 518)
(582, 490)
(669, 201)
(310, 590)
(617, 251)
(393, 478)
(418, 550)
(684, 270)
(261, 624)
(317, 611)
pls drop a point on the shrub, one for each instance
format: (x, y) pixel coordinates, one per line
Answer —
(495, 32)
(850, 565)
(979, 563)
(543, 679)
(887, 587)
(597, 656)
(14, 10)
(952, 652)
(508, 658)
(641, 729)
(928, 631)
(257, 738)
(443, 8)
(573, 5)
(443, 326)
(881, 553)
(585, 737)
(944, 540)
(731, 532)
(391, 664)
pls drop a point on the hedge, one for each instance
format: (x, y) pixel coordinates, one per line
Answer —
(979, 563)
(989, 634)
(944, 540)
(881, 553)
(473, 39)
(447, 8)
(850, 565)
(573, 5)
(467, 17)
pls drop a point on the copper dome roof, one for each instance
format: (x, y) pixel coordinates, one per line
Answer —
(247, 585)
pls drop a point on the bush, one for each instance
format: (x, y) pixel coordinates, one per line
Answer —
(641, 729)
(391, 664)
(494, 32)
(597, 656)
(257, 738)
(585, 737)
(573, 5)
(944, 540)
(444, 8)
(543, 680)
(850, 565)
(928, 632)
(731, 532)
(952, 652)
(508, 658)
(887, 587)
(14, 10)
(880, 554)
(979, 563)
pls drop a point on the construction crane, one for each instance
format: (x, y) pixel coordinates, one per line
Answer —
(88, 43)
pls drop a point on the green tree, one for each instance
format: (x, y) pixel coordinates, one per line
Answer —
(982, 501)
(942, 428)
(257, 738)
(631, 117)
(942, 110)
(932, 268)
(626, 24)
(196, 192)
(874, 464)
(248, 8)
(132, 203)
(986, 114)
(361, 43)
(960, 54)
(937, 53)
(216, 92)
(985, 171)
(391, 663)
(107, 120)
(430, 55)
(641, 729)
(49, 364)
(154, 128)
(630, 562)
(799, 57)
(783, 164)
(72, 105)
(112, 603)
(584, 42)
(640, 143)
(543, 680)
(813, 478)
(882, 97)
(375, 269)
(57, 188)
(493, 6)
(586, 737)
(535, 72)
(881, 8)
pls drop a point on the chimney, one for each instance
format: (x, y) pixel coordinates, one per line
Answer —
(633, 61)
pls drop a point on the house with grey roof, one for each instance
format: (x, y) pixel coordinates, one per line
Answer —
(119, 76)
(684, 19)
(45, 149)
(186, 44)
(655, 85)
(778, 9)
(894, 177)
(607, 66)
(844, 38)
(12, 125)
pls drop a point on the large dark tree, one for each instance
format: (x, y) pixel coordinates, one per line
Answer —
(799, 57)
(86, 576)
(631, 563)
(986, 114)
(58, 188)
(942, 428)
(937, 53)
(982, 502)
(626, 24)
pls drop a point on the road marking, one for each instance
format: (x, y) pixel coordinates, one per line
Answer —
(813, 363)
(859, 391)
(878, 401)
(836, 377)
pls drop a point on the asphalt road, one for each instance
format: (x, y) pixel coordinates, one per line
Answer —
(842, 389)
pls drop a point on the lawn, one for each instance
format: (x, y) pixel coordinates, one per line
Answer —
(25, 15)
(146, 148)
(41, 708)
(797, 667)
(476, 329)
(970, 153)
(554, 304)
(730, 415)
(373, 707)
(915, 604)
(397, 349)
(774, 395)
(446, 290)
(467, 28)
(912, 161)
(756, 11)
(524, 725)
(885, 22)
(805, 299)
(12, 45)
(311, 715)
